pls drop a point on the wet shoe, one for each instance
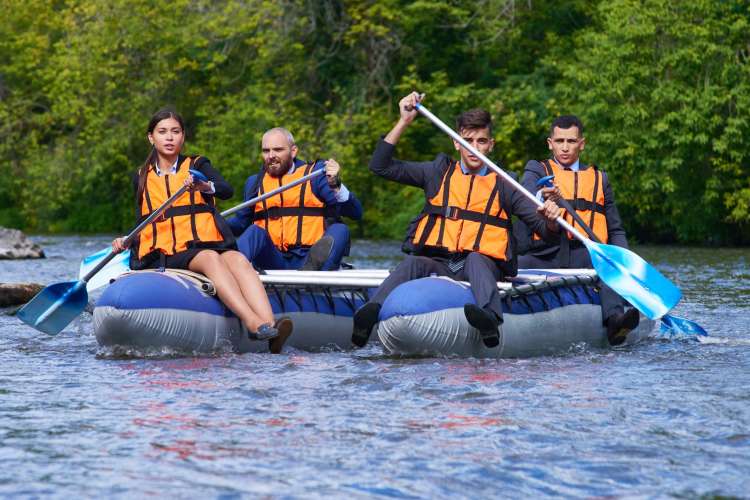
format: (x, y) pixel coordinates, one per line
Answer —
(265, 332)
(363, 321)
(318, 254)
(285, 327)
(484, 321)
(620, 324)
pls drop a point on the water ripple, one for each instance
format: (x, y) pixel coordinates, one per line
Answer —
(663, 418)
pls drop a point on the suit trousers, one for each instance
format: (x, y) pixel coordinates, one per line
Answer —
(479, 270)
(579, 258)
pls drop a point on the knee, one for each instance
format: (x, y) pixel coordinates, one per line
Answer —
(205, 261)
(410, 261)
(418, 264)
(235, 259)
(473, 258)
(339, 232)
(252, 233)
(476, 259)
(210, 255)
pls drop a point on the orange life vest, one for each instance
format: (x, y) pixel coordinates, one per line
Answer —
(584, 191)
(188, 221)
(293, 218)
(466, 215)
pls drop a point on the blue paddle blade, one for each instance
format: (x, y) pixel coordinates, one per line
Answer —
(52, 309)
(634, 279)
(114, 268)
(674, 325)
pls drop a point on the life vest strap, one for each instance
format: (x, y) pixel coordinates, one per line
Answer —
(582, 204)
(198, 208)
(277, 212)
(458, 213)
(183, 210)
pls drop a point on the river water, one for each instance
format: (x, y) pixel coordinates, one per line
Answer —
(664, 418)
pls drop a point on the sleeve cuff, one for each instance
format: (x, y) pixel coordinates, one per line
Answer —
(342, 195)
(212, 190)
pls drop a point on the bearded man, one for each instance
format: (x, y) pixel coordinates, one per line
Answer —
(301, 227)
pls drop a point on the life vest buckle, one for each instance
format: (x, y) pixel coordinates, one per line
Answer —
(451, 213)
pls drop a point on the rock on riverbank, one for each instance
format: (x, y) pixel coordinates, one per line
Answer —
(12, 294)
(15, 245)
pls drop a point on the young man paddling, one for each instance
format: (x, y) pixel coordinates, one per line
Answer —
(464, 230)
(588, 190)
(300, 228)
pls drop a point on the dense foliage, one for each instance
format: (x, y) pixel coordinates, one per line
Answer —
(663, 87)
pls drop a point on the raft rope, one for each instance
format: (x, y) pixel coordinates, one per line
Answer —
(352, 297)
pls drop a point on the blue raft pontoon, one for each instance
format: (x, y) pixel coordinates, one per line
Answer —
(546, 312)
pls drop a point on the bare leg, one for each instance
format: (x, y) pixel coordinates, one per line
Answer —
(209, 263)
(251, 286)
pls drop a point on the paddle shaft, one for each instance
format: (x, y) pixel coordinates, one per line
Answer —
(499, 171)
(128, 239)
(269, 194)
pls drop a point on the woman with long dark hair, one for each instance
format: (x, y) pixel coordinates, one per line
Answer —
(191, 234)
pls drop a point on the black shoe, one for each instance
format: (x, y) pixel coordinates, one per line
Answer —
(284, 326)
(364, 319)
(318, 254)
(265, 332)
(619, 324)
(484, 321)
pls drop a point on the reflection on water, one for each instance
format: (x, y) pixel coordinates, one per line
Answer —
(657, 419)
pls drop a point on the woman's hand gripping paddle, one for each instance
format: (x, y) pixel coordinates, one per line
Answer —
(121, 263)
(57, 305)
(625, 272)
(670, 325)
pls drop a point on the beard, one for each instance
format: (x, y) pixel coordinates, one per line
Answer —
(280, 168)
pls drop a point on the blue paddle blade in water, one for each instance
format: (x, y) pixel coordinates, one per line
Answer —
(676, 326)
(52, 309)
(634, 279)
(114, 268)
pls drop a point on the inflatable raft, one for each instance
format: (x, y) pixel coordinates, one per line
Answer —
(547, 312)
(179, 310)
(543, 314)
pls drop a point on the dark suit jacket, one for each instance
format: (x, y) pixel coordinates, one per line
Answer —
(615, 232)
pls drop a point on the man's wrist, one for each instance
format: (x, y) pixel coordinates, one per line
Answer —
(334, 182)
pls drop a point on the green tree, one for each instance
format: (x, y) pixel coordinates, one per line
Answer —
(664, 87)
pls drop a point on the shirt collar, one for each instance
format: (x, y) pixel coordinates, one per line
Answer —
(296, 163)
(172, 169)
(482, 171)
(575, 167)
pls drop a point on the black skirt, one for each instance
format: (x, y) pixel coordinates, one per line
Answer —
(180, 260)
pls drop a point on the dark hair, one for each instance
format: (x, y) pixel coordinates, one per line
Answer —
(151, 158)
(474, 119)
(566, 122)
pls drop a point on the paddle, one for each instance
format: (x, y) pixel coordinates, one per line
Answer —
(274, 192)
(120, 264)
(670, 325)
(625, 272)
(57, 305)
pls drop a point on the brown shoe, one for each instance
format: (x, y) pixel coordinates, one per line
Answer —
(318, 254)
(284, 326)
